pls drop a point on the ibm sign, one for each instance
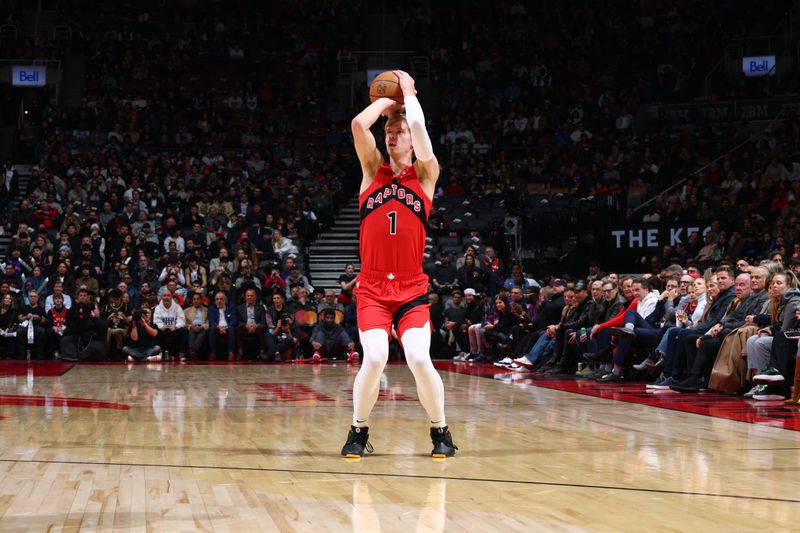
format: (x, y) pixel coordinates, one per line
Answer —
(29, 76)
(758, 66)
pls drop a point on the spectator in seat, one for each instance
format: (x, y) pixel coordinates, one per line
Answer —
(582, 316)
(453, 329)
(329, 301)
(330, 340)
(222, 321)
(274, 283)
(701, 355)
(347, 281)
(444, 275)
(473, 320)
(769, 350)
(86, 280)
(493, 267)
(498, 330)
(639, 327)
(85, 334)
(58, 289)
(297, 279)
(56, 324)
(719, 294)
(170, 321)
(197, 325)
(470, 275)
(32, 333)
(172, 268)
(8, 327)
(252, 325)
(117, 315)
(517, 278)
(283, 246)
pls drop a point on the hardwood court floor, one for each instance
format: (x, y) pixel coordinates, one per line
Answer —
(245, 448)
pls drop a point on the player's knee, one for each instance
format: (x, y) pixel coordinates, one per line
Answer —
(418, 361)
(375, 358)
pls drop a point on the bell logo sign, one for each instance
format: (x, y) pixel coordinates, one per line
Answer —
(758, 66)
(29, 76)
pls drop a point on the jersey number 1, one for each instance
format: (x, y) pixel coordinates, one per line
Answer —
(392, 222)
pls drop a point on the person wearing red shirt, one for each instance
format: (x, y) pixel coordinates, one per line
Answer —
(395, 200)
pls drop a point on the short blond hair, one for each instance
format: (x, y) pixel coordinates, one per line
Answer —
(394, 118)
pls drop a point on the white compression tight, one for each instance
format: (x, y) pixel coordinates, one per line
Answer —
(416, 344)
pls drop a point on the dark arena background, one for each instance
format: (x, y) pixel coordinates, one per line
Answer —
(613, 254)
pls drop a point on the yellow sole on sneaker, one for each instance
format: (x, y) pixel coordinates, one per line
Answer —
(352, 456)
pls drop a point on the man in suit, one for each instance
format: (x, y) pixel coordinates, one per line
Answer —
(252, 325)
(222, 321)
(197, 324)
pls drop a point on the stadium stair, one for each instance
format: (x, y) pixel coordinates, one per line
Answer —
(335, 247)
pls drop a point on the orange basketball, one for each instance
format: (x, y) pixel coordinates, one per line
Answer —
(386, 85)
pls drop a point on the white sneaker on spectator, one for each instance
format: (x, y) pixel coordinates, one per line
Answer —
(504, 362)
(770, 376)
(766, 396)
(461, 357)
(523, 361)
(755, 390)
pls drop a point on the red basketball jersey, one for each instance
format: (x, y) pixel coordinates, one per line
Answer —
(394, 215)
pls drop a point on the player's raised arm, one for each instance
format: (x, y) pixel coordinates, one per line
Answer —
(368, 154)
(427, 164)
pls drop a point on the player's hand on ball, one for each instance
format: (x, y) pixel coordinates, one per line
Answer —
(406, 82)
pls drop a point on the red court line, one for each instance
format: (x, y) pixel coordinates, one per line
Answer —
(38, 368)
(772, 413)
(58, 401)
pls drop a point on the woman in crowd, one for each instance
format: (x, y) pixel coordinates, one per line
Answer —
(8, 327)
(470, 276)
(784, 301)
(692, 314)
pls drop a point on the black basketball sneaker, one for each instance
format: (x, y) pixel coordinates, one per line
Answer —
(357, 442)
(442, 443)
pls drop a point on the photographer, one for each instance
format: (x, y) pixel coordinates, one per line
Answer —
(141, 344)
(84, 331)
(274, 283)
(285, 337)
(32, 333)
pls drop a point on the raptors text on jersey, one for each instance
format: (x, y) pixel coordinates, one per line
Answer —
(394, 214)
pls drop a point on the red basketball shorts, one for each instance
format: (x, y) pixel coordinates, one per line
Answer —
(385, 299)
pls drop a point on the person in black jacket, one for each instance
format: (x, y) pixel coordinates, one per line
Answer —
(470, 275)
(32, 332)
(547, 312)
(84, 338)
(565, 359)
(331, 341)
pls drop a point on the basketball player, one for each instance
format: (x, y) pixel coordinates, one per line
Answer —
(395, 200)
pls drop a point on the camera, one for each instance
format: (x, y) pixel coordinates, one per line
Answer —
(138, 314)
